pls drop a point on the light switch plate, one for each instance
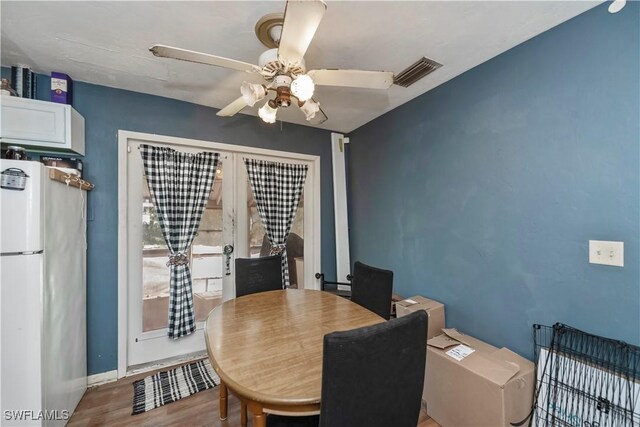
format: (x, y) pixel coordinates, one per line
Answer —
(606, 253)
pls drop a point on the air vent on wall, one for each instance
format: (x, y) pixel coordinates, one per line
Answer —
(415, 72)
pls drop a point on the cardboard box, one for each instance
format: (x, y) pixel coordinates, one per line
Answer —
(434, 309)
(61, 88)
(471, 383)
(66, 164)
(299, 272)
(394, 299)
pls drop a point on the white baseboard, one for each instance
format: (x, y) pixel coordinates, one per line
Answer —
(102, 378)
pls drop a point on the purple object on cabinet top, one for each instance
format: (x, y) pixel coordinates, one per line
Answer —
(61, 88)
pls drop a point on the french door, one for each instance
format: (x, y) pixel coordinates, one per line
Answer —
(229, 228)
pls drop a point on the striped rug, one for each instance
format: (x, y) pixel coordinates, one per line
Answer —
(168, 386)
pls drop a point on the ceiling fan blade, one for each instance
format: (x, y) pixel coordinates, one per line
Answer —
(352, 78)
(233, 108)
(201, 58)
(301, 20)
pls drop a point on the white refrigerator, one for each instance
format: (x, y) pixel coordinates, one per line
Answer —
(43, 363)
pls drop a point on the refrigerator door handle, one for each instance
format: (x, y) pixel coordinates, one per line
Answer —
(22, 253)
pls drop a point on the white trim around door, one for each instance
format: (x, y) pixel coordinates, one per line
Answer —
(124, 137)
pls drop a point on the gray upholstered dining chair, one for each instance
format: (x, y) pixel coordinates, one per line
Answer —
(258, 275)
(372, 288)
(371, 376)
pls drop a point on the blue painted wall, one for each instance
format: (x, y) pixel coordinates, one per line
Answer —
(105, 111)
(484, 192)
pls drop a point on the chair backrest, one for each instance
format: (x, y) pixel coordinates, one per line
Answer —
(295, 249)
(373, 376)
(372, 288)
(258, 275)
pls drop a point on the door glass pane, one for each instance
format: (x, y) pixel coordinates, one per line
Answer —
(259, 243)
(206, 254)
(155, 273)
(205, 261)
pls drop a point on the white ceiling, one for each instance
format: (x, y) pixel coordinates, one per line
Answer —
(107, 43)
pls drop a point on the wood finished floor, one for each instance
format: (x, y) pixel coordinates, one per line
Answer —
(110, 405)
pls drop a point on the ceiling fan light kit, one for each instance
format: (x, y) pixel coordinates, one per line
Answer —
(268, 112)
(252, 93)
(302, 87)
(310, 108)
(282, 66)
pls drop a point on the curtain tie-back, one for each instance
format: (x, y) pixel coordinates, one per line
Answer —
(277, 249)
(178, 259)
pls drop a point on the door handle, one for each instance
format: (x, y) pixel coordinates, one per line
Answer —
(227, 251)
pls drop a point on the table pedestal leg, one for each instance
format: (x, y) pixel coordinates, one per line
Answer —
(260, 420)
(259, 417)
(223, 401)
(243, 414)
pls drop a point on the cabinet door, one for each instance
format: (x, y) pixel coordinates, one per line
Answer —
(31, 120)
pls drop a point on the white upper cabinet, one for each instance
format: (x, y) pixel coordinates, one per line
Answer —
(47, 126)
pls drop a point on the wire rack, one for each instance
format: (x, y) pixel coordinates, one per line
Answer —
(584, 380)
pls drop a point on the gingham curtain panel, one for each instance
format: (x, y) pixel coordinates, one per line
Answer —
(179, 184)
(277, 188)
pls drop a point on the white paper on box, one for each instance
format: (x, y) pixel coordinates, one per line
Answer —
(58, 84)
(459, 352)
(410, 301)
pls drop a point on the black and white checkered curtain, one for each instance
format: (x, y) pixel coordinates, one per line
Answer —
(277, 188)
(180, 184)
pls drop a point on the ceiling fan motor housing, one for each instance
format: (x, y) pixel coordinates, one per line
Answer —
(283, 91)
(282, 80)
(271, 65)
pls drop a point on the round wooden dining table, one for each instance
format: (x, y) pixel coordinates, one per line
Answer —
(267, 348)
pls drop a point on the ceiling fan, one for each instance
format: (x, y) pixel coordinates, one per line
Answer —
(283, 66)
